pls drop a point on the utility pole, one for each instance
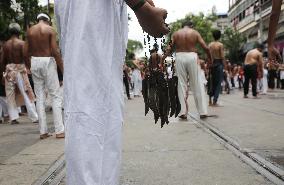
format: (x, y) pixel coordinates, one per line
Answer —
(260, 22)
(48, 7)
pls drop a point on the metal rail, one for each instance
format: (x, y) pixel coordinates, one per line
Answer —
(261, 165)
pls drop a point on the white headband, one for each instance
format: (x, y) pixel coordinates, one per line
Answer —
(43, 15)
(15, 26)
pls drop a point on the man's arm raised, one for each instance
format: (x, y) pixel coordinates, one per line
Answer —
(151, 19)
(274, 18)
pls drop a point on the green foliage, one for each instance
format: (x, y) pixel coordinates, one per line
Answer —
(202, 23)
(24, 15)
(233, 41)
(31, 9)
(133, 46)
(6, 15)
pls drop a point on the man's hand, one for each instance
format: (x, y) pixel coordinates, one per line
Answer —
(152, 19)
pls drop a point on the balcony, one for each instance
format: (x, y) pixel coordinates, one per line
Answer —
(249, 19)
(234, 5)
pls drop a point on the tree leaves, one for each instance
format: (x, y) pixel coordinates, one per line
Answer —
(25, 16)
(233, 41)
(202, 23)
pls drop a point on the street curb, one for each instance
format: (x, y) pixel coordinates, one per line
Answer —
(261, 165)
(54, 174)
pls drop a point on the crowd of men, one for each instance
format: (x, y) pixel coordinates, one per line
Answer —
(33, 61)
(217, 74)
(93, 37)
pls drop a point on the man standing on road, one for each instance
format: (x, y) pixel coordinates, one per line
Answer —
(93, 39)
(137, 77)
(126, 80)
(17, 83)
(217, 68)
(42, 50)
(184, 42)
(253, 69)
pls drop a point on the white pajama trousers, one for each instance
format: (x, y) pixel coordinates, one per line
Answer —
(13, 109)
(3, 107)
(137, 82)
(188, 71)
(44, 73)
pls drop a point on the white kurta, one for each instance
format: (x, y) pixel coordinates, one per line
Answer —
(94, 37)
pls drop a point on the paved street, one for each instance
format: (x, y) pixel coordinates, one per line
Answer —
(256, 125)
(181, 153)
(15, 138)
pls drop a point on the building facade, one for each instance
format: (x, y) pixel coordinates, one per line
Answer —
(251, 17)
(222, 22)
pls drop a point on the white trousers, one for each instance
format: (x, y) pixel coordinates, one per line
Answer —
(264, 85)
(188, 71)
(89, 135)
(44, 72)
(137, 82)
(3, 107)
(13, 109)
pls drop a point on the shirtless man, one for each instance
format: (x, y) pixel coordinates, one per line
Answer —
(273, 24)
(155, 59)
(253, 69)
(42, 50)
(16, 77)
(184, 43)
(217, 52)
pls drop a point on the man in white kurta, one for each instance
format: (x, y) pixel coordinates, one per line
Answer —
(93, 41)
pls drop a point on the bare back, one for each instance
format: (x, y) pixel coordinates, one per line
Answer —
(39, 38)
(216, 50)
(185, 40)
(13, 51)
(156, 60)
(253, 57)
(41, 42)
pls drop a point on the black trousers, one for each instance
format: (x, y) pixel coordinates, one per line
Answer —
(282, 84)
(126, 83)
(233, 82)
(250, 75)
(271, 78)
(217, 78)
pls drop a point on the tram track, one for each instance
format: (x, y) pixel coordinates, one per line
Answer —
(260, 164)
(54, 175)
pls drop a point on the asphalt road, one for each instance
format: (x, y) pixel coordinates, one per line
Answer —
(182, 153)
(15, 138)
